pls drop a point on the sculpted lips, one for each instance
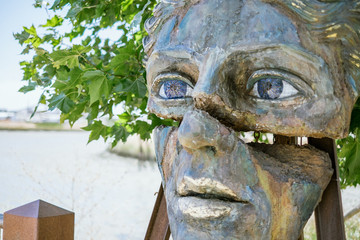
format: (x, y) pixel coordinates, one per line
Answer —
(207, 188)
(205, 198)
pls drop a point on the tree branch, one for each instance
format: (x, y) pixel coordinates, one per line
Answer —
(352, 213)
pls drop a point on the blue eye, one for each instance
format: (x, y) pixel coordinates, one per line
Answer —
(270, 88)
(174, 89)
(273, 88)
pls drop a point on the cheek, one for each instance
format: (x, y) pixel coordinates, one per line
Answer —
(165, 139)
(293, 185)
(287, 200)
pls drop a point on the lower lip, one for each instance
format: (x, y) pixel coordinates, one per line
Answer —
(209, 209)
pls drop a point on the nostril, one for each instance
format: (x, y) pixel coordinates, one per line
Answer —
(211, 149)
(199, 130)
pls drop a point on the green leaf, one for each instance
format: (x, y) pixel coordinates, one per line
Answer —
(75, 114)
(73, 11)
(97, 129)
(355, 117)
(31, 30)
(93, 111)
(138, 17)
(62, 102)
(40, 51)
(30, 87)
(22, 37)
(120, 65)
(75, 77)
(124, 118)
(138, 87)
(349, 155)
(67, 80)
(42, 100)
(53, 22)
(26, 50)
(38, 3)
(143, 129)
(98, 86)
(55, 5)
(119, 132)
(65, 58)
(81, 49)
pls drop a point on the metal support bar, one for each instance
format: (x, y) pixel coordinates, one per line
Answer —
(159, 228)
(329, 216)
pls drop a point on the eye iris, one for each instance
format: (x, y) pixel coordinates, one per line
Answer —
(270, 88)
(175, 89)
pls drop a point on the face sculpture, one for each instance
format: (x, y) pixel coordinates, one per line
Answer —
(220, 67)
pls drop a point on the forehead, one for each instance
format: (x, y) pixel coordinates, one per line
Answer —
(222, 24)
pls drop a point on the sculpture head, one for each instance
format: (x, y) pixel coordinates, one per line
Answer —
(220, 67)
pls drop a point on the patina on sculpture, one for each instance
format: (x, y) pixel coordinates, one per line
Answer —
(223, 66)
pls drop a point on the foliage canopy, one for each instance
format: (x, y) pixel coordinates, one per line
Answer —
(83, 74)
(92, 76)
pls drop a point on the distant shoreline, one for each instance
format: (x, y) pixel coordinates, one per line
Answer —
(6, 125)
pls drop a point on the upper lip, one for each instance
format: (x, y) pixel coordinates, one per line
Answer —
(207, 188)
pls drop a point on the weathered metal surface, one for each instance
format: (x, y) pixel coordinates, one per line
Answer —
(255, 188)
(301, 236)
(224, 66)
(159, 228)
(329, 213)
(287, 140)
(38, 220)
(221, 49)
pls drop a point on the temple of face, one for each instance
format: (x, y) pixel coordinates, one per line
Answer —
(224, 66)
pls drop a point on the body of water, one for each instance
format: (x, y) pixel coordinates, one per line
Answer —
(112, 197)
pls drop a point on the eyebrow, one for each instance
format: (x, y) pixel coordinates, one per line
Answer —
(181, 52)
(172, 55)
(177, 53)
(297, 50)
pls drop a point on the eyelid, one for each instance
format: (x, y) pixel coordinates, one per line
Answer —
(155, 87)
(290, 78)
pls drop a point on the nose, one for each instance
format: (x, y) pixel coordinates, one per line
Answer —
(206, 92)
(200, 130)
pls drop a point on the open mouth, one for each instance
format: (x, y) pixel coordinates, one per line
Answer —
(218, 197)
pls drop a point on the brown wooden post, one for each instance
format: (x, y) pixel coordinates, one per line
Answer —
(329, 216)
(159, 228)
(38, 220)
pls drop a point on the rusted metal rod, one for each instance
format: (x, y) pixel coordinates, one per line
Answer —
(352, 213)
(329, 216)
(159, 228)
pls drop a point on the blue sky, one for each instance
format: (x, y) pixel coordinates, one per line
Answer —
(14, 15)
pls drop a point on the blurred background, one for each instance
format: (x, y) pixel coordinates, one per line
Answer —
(112, 196)
(111, 191)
